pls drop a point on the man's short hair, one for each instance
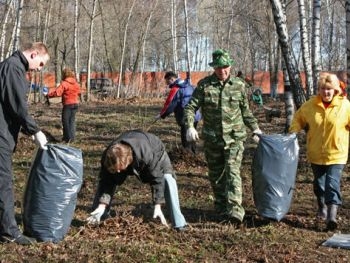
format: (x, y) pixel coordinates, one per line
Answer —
(40, 47)
(170, 74)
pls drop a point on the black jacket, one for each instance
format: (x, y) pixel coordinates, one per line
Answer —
(150, 163)
(13, 104)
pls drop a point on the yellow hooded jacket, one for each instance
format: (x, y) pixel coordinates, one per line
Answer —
(327, 129)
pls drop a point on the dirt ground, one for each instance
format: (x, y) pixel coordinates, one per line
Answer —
(133, 236)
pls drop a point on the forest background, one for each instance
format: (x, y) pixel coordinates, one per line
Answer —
(133, 38)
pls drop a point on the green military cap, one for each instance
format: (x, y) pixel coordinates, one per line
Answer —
(221, 58)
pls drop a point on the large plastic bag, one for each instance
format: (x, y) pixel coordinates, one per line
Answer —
(51, 192)
(274, 170)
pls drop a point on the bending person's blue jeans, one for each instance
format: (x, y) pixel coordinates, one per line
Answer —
(172, 202)
(327, 182)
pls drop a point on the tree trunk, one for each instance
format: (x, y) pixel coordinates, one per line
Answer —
(123, 48)
(188, 73)
(173, 34)
(315, 43)
(347, 6)
(76, 36)
(305, 49)
(91, 31)
(330, 16)
(47, 21)
(144, 42)
(281, 27)
(109, 65)
(18, 26)
(3, 29)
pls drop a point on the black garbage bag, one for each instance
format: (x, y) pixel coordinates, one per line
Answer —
(274, 169)
(50, 196)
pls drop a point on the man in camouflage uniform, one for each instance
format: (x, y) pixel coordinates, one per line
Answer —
(225, 112)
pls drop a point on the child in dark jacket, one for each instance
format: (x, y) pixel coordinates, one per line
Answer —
(179, 96)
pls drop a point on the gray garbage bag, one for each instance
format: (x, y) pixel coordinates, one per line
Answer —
(50, 196)
(274, 170)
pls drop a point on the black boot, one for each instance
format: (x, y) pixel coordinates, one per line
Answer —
(21, 240)
(322, 210)
(332, 217)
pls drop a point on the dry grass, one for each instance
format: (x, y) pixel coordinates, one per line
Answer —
(133, 236)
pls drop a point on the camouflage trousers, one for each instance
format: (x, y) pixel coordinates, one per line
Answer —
(224, 175)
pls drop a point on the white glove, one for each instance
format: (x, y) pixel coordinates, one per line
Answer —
(191, 134)
(95, 216)
(40, 139)
(157, 117)
(255, 136)
(158, 213)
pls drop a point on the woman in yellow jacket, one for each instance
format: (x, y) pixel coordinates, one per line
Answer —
(326, 120)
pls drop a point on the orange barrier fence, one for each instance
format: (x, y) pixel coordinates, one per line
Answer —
(154, 81)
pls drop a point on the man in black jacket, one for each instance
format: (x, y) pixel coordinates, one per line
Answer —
(13, 117)
(141, 154)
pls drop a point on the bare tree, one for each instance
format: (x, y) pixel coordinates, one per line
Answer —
(47, 20)
(92, 18)
(315, 43)
(347, 7)
(173, 34)
(281, 27)
(3, 29)
(144, 37)
(109, 64)
(187, 43)
(17, 30)
(123, 48)
(305, 48)
(76, 36)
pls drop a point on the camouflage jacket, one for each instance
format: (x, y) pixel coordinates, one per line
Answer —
(225, 110)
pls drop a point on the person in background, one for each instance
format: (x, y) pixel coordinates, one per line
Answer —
(141, 154)
(179, 96)
(225, 111)
(326, 120)
(247, 80)
(14, 117)
(69, 89)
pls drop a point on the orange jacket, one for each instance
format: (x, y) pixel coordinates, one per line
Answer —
(69, 89)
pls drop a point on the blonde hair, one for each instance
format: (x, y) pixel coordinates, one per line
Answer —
(118, 157)
(331, 81)
(67, 73)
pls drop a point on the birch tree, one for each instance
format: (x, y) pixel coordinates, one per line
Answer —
(347, 7)
(144, 38)
(281, 27)
(104, 35)
(188, 74)
(75, 40)
(315, 43)
(173, 34)
(91, 31)
(304, 39)
(123, 48)
(47, 21)
(17, 29)
(9, 8)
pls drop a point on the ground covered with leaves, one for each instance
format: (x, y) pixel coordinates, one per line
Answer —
(133, 236)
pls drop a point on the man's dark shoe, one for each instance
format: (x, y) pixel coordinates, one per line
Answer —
(332, 225)
(182, 228)
(233, 221)
(21, 240)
